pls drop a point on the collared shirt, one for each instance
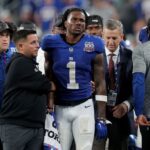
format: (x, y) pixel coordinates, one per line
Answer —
(115, 57)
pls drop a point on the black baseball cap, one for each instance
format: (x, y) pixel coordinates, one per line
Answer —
(12, 26)
(94, 19)
(4, 26)
(27, 26)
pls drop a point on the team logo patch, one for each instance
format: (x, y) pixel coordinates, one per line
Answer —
(89, 46)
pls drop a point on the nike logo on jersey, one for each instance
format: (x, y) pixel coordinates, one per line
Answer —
(87, 106)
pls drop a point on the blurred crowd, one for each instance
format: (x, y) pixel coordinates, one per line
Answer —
(132, 13)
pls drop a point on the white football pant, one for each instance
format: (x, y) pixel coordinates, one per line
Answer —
(76, 122)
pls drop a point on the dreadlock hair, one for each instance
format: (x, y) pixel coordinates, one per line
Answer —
(69, 10)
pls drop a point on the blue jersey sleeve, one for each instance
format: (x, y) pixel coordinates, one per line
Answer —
(138, 92)
(49, 41)
(44, 42)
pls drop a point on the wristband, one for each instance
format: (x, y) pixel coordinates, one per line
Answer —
(102, 98)
(127, 104)
(104, 120)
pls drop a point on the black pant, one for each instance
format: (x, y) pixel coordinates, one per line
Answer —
(118, 131)
(117, 141)
(1, 147)
(21, 138)
(145, 131)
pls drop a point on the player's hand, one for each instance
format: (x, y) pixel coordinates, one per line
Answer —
(50, 109)
(142, 120)
(101, 129)
(120, 110)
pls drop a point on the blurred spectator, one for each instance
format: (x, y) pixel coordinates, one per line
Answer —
(12, 6)
(64, 4)
(6, 15)
(144, 34)
(137, 6)
(5, 53)
(94, 25)
(104, 8)
(128, 16)
(13, 28)
(145, 8)
(140, 17)
(26, 13)
(45, 14)
(27, 10)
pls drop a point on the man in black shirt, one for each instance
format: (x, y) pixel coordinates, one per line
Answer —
(26, 95)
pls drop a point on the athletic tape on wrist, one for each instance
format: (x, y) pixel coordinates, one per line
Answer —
(102, 98)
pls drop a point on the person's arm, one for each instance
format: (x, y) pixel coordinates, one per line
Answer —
(100, 97)
(100, 86)
(139, 71)
(46, 46)
(138, 92)
(49, 74)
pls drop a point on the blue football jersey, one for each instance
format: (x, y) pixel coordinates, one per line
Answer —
(143, 35)
(72, 64)
(4, 59)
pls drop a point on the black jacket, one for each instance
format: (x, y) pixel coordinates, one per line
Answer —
(124, 87)
(25, 95)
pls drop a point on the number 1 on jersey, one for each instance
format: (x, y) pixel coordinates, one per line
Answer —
(72, 76)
